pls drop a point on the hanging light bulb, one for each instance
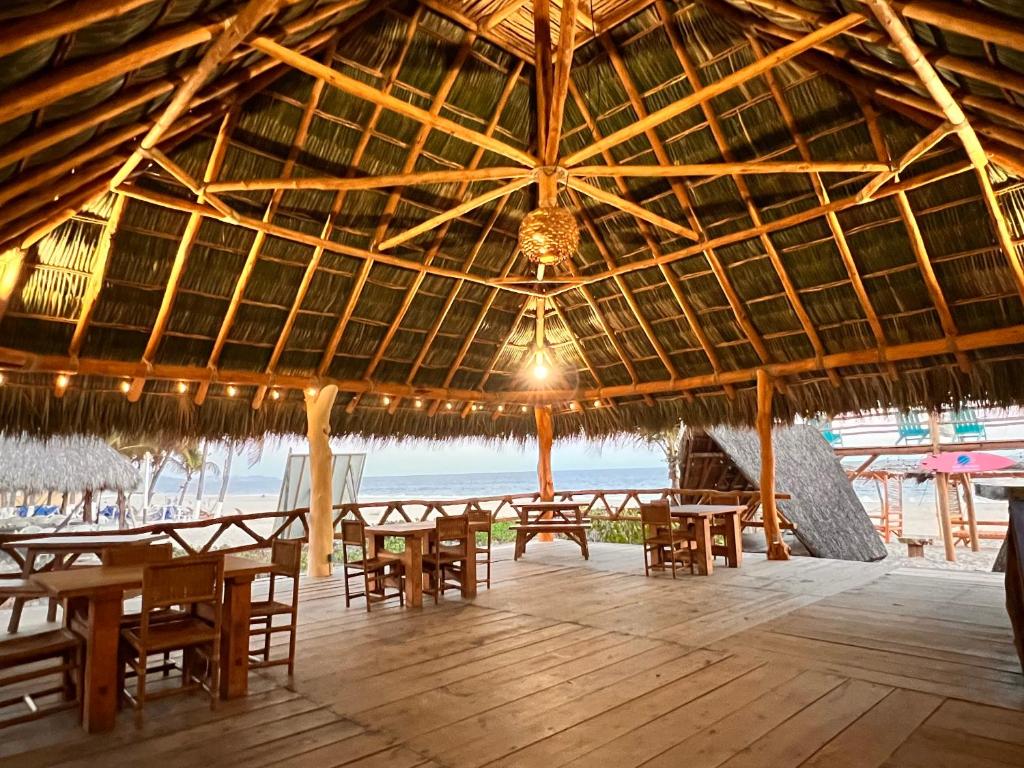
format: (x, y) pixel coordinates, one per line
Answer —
(312, 391)
(418, 403)
(523, 408)
(597, 403)
(63, 381)
(232, 390)
(386, 400)
(125, 386)
(275, 394)
(182, 387)
(3, 379)
(501, 408)
(448, 405)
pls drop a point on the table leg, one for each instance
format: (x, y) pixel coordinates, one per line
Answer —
(413, 562)
(103, 633)
(51, 609)
(734, 539)
(19, 602)
(704, 555)
(234, 638)
(469, 567)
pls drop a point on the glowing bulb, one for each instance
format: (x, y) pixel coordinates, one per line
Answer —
(597, 403)
(125, 386)
(275, 394)
(448, 406)
(386, 400)
(522, 408)
(418, 403)
(311, 391)
(476, 407)
(182, 387)
(3, 379)
(572, 406)
(232, 390)
(540, 372)
(501, 408)
(62, 381)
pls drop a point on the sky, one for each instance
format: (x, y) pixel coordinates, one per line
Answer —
(425, 458)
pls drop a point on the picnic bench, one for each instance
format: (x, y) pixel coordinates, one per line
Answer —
(564, 517)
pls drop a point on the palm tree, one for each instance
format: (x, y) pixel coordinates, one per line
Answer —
(190, 460)
(670, 440)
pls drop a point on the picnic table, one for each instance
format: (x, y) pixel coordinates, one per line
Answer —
(539, 517)
(97, 594)
(417, 537)
(65, 550)
(710, 520)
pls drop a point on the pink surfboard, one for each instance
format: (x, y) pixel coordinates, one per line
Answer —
(961, 461)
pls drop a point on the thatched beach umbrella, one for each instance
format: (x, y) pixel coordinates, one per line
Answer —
(76, 464)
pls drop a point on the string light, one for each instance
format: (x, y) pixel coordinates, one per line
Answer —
(275, 394)
(182, 387)
(3, 379)
(572, 406)
(62, 381)
(418, 403)
(386, 400)
(232, 390)
(501, 408)
(522, 408)
(476, 407)
(540, 366)
(311, 391)
(597, 403)
(125, 386)
(449, 406)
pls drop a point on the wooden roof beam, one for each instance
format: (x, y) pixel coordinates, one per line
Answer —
(721, 141)
(560, 86)
(367, 92)
(903, 40)
(188, 238)
(435, 328)
(631, 208)
(352, 183)
(717, 88)
(730, 168)
(684, 303)
(970, 22)
(391, 205)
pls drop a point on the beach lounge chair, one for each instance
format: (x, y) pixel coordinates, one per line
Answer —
(911, 429)
(834, 438)
(966, 425)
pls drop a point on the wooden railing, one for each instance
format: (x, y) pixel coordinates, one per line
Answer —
(239, 533)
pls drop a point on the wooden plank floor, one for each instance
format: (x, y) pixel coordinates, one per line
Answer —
(810, 663)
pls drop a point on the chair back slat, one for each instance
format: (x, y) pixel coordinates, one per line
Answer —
(655, 513)
(184, 582)
(478, 516)
(286, 555)
(353, 533)
(137, 554)
(452, 528)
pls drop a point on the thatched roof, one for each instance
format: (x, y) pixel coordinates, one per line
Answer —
(908, 296)
(71, 464)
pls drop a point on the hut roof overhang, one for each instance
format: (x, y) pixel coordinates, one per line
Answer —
(71, 464)
(209, 207)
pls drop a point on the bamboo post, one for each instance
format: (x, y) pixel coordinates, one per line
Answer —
(972, 518)
(122, 511)
(86, 507)
(321, 528)
(777, 548)
(545, 480)
(941, 490)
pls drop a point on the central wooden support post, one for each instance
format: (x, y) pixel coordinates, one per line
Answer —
(777, 548)
(545, 480)
(321, 485)
(942, 488)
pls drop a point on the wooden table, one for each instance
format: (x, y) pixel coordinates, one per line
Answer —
(416, 537)
(710, 520)
(65, 548)
(540, 517)
(99, 593)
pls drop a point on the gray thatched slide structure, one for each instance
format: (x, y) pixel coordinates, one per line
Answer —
(63, 464)
(830, 520)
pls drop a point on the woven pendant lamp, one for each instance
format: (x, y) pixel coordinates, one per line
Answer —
(549, 235)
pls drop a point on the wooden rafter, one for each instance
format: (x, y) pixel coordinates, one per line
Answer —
(627, 294)
(560, 85)
(717, 88)
(916, 152)
(256, 247)
(391, 205)
(499, 110)
(682, 196)
(542, 73)
(350, 184)
(953, 113)
(631, 208)
(454, 213)
(722, 142)
(99, 269)
(785, 222)
(367, 92)
(188, 238)
(730, 168)
(652, 244)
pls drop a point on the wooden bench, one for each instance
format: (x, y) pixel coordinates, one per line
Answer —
(551, 517)
(915, 544)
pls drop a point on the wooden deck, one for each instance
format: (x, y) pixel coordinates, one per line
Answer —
(567, 663)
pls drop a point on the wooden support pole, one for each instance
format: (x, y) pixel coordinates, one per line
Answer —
(972, 516)
(545, 438)
(11, 263)
(777, 548)
(321, 513)
(942, 496)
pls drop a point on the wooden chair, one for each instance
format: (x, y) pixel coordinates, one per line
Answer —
(482, 564)
(195, 584)
(353, 535)
(286, 556)
(26, 658)
(20, 590)
(449, 546)
(666, 544)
